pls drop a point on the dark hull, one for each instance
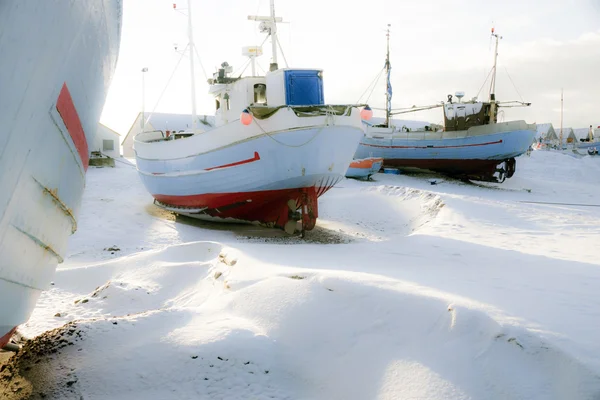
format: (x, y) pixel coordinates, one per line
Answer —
(470, 169)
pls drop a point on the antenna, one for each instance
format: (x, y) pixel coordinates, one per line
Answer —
(561, 117)
(388, 89)
(192, 73)
(268, 25)
(493, 83)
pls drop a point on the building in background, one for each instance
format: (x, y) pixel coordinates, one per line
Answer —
(547, 133)
(107, 142)
(164, 122)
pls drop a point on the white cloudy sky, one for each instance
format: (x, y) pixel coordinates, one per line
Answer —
(437, 48)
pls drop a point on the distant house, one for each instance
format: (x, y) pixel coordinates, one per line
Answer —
(107, 142)
(583, 133)
(568, 136)
(547, 133)
(163, 122)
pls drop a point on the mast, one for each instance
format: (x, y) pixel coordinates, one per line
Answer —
(388, 91)
(193, 79)
(273, 66)
(561, 117)
(269, 25)
(493, 106)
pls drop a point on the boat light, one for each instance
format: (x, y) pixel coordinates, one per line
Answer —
(366, 113)
(246, 117)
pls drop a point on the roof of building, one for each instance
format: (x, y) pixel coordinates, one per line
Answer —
(543, 129)
(565, 131)
(112, 130)
(581, 133)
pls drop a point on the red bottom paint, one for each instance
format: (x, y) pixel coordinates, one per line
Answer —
(268, 207)
(6, 338)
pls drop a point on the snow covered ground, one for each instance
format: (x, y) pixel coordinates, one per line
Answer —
(405, 290)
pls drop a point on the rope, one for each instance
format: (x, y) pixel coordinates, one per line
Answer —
(515, 86)
(328, 115)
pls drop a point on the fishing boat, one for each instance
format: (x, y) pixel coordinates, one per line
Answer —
(57, 61)
(364, 168)
(472, 144)
(274, 149)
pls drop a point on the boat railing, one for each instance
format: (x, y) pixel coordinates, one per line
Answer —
(161, 136)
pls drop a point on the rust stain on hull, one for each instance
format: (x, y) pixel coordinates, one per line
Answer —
(53, 193)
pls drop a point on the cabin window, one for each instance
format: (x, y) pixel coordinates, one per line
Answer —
(260, 93)
(108, 145)
(217, 104)
(226, 98)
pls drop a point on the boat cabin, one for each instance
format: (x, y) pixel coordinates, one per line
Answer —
(282, 87)
(462, 116)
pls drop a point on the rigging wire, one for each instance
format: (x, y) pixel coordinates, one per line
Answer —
(200, 61)
(282, 53)
(373, 84)
(261, 68)
(244, 67)
(167, 85)
(515, 86)
(484, 82)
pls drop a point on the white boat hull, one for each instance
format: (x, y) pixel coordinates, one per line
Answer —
(57, 61)
(474, 153)
(254, 177)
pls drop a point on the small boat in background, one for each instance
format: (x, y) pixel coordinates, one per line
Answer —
(364, 168)
(58, 58)
(274, 149)
(471, 145)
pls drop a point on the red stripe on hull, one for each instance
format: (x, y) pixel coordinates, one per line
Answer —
(68, 113)
(267, 207)
(6, 338)
(433, 147)
(247, 161)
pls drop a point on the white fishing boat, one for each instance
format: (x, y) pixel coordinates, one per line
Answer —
(472, 144)
(57, 61)
(274, 149)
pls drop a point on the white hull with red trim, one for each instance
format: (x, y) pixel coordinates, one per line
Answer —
(250, 173)
(57, 61)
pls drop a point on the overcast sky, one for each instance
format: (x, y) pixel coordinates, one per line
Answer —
(437, 47)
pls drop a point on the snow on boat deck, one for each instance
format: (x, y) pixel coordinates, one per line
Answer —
(406, 290)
